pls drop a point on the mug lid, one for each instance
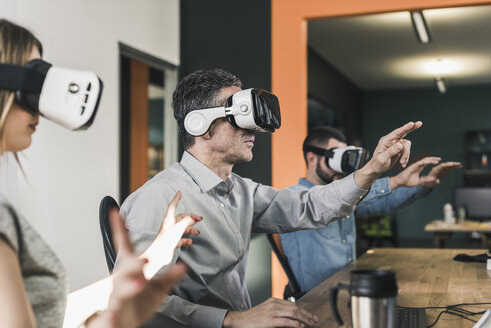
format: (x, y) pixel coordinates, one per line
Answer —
(373, 283)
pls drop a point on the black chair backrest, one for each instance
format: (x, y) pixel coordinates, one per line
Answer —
(107, 204)
(292, 289)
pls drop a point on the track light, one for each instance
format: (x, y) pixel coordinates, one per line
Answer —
(440, 84)
(420, 27)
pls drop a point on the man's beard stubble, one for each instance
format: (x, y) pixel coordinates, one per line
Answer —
(324, 176)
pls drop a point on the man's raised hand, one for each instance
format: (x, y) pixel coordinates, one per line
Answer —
(391, 148)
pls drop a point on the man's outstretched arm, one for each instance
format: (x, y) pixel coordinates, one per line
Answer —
(289, 210)
(405, 188)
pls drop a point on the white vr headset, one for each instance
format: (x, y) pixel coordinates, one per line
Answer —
(342, 160)
(66, 96)
(251, 109)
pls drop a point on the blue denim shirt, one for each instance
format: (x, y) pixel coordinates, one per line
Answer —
(315, 255)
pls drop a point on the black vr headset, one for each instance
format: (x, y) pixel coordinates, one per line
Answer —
(66, 96)
(251, 109)
(342, 160)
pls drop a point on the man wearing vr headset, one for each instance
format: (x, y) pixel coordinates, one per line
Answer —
(315, 255)
(217, 120)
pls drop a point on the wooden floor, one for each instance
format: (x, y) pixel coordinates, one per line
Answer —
(426, 277)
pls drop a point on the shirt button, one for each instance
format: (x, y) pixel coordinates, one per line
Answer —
(226, 282)
(344, 241)
(242, 306)
(222, 205)
(382, 191)
(349, 259)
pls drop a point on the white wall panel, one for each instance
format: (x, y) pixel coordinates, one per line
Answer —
(68, 173)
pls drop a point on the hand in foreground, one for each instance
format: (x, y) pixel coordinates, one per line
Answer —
(390, 149)
(134, 299)
(439, 172)
(160, 252)
(134, 292)
(410, 176)
(271, 313)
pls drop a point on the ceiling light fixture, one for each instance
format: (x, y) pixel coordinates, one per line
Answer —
(420, 27)
(440, 84)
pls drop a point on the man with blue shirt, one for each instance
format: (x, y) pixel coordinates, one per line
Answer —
(315, 255)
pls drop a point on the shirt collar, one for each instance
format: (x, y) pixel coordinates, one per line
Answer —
(306, 183)
(205, 178)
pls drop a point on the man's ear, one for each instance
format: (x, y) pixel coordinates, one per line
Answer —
(311, 159)
(206, 136)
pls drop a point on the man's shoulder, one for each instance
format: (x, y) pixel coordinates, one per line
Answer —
(173, 174)
(168, 181)
(170, 172)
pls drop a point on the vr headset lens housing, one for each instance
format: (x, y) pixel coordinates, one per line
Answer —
(342, 160)
(352, 158)
(251, 109)
(266, 110)
(65, 96)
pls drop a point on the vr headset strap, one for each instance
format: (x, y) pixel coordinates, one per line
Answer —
(319, 151)
(20, 78)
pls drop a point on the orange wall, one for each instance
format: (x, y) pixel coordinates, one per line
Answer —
(289, 77)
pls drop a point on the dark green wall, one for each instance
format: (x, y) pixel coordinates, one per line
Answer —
(329, 86)
(236, 36)
(445, 119)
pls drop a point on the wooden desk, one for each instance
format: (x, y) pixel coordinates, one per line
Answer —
(442, 231)
(425, 277)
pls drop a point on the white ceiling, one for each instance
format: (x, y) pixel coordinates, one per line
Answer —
(382, 51)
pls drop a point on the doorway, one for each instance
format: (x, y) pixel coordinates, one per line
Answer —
(148, 131)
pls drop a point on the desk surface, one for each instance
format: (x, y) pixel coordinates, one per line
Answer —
(466, 226)
(425, 277)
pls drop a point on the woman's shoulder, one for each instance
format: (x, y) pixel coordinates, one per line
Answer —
(8, 223)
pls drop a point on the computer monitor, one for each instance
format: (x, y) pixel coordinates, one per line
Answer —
(475, 200)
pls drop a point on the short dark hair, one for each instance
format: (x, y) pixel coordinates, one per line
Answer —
(321, 135)
(198, 90)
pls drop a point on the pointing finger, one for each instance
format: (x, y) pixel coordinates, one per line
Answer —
(426, 161)
(392, 151)
(171, 210)
(406, 150)
(401, 132)
(432, 160)
(120, 235)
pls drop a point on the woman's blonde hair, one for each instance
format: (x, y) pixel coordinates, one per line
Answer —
(16, 45)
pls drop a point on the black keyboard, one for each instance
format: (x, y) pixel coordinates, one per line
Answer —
(410, 318)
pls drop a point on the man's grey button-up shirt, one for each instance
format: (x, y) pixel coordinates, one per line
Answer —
(231, 211)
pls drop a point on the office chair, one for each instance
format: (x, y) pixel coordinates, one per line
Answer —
(107, 204)
(292, 289)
